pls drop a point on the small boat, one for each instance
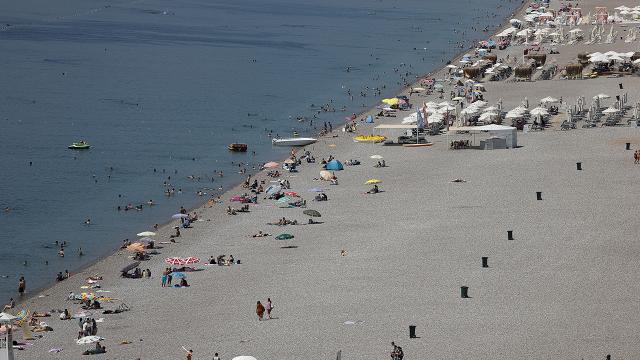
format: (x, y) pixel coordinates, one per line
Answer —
(237, 147)
(80, 145)
(369, 138)
(294, 141)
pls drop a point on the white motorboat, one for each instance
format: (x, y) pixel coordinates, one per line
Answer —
(294, 141)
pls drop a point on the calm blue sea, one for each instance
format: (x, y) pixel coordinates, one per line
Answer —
(166, 85)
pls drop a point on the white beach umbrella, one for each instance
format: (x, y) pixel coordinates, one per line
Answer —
(514, 115)
(539, 111)
(451, 66)
(491, 109)
(446, 108)
(435, 118)
(479, 104)
(445, 103)
(469, 111)
(411, 119)
(610, 110)
(376, 156)
(89, 340)
(601, 96)
(549, 100)
(637, 61)
(488, 116)
(460, 98)
(244, 358)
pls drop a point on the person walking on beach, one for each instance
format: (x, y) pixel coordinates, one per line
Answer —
(259, 311)
(188, 355)
(165, 275)
(216, 357)
(269, 308)
(169, 277)
(636, 157)
(22, 285)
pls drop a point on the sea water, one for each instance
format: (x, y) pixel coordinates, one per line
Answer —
(160, 87)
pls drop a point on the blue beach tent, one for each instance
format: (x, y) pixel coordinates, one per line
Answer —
(334, 165)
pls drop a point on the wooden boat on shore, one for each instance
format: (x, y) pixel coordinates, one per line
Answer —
(80, 145)
(294, 141)
(237, 147)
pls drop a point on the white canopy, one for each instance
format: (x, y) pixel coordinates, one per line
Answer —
(507, 132)
(6, 318)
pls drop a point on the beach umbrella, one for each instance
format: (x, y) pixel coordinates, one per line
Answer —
(419, 89)
(179, 216)
(376, 157)
(271, 164)
(548, 100)
(178, 275)
(312, 213)
(373, 181)
(325, 175)
(451, 66)
(601, 96)
(488, 116)
(284, 237)
(539, 111)
(174, 261)
(191, 260)
(147, 233)
(130, 267)
(136, 247)
(89, 340)
(244, 358)
(315, 189)
(273, 189)
(610, 110)
(457, 98)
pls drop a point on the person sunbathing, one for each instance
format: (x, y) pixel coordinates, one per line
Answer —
(261, 234)
(374, 190)
(41, 314)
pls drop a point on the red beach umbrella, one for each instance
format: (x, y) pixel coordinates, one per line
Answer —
(174, 261)
(190, 260)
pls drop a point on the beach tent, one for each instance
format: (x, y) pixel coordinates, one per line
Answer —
(506, 132)
(334, 165)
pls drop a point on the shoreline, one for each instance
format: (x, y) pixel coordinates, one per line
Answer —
(261, 174)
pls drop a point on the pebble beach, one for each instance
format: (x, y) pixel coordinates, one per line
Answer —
(565, 287)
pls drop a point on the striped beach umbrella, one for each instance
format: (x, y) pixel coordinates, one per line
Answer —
(174, 261)
(190, 260)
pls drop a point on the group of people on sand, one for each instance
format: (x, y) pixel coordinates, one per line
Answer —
(261, 309)
(222, 260)
(167, 278)
(284, 221)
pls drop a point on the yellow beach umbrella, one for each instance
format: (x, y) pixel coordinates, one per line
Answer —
(373, 181)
